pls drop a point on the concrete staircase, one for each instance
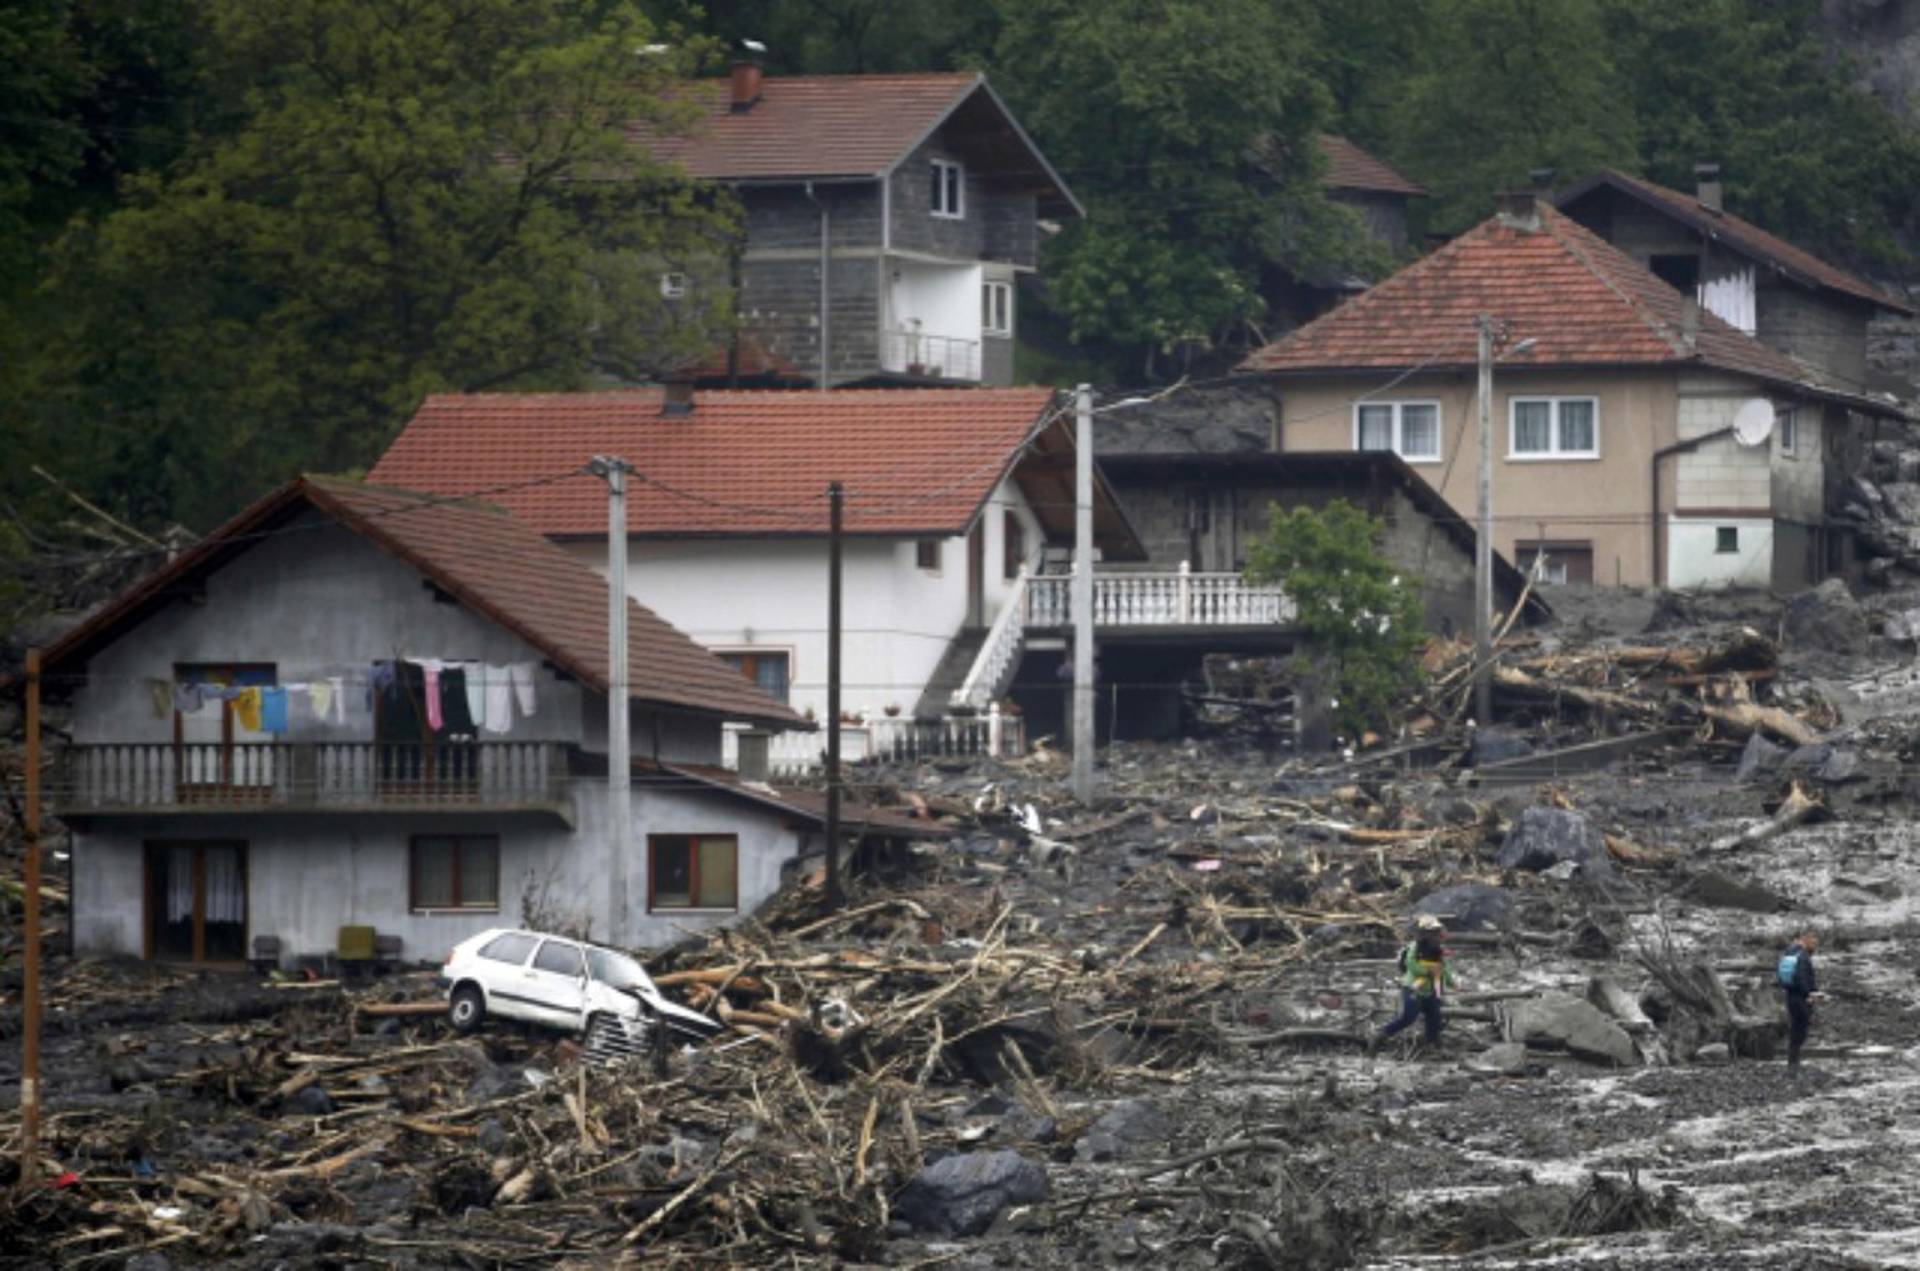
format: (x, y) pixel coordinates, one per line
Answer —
(937, 700)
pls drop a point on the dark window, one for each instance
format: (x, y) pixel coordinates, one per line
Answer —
(693, 871)
(1679, 272)
(456, 871)
(513, 947)
(1015, 534)
(768, 671)
(1557, 563)
(1726, 539)
(926, 554)
(561, 958)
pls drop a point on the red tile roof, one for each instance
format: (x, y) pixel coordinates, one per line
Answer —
(1743, 236)
(1351, 168)
(1584, 301)
(808, 805)
(913, 461)
(489, 562)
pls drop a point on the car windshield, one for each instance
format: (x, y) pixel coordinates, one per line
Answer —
(617, 970)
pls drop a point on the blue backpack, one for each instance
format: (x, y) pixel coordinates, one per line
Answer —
(1789, 964)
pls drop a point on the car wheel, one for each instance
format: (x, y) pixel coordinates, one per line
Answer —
(466, 1008)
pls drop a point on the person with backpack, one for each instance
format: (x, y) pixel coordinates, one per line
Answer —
(1425, 977)
(1801, 986)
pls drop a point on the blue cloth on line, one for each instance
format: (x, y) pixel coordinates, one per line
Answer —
(273, 710)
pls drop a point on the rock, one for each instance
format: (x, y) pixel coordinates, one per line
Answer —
(1468, 907)
(310, 1102)
(1560, 1021)
(1713, 1053)
(1903, 626)
(1721, 892)
(1544, 837)
(961, 1195)
(1491, 745)
(1826, 619)
(1826, 763)
(1507, 1059)
(1124, 1128)
(1019, 1125)
(1760, 759)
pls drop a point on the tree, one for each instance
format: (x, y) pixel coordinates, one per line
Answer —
(393, 197)
(1358, 615)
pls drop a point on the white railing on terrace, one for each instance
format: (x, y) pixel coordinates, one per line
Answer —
(940, 357)
(1000, 652)
(1179, 599)
(888, 739)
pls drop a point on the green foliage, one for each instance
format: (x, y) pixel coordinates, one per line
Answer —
(407, 196)
(1360, 615)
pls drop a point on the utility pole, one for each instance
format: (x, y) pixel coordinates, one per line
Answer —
(30, 928)
(835, 895)
(1083, 742)
(619, 722)
(1483, 538)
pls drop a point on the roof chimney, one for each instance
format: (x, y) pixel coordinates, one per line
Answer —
(1519, 210)
(1541, 179)
(676, 398)
(1706, 181)
(746, 84)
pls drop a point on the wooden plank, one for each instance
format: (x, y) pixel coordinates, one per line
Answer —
(1569, 760)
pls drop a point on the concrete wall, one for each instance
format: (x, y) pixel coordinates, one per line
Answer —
(1721, 475)
(1694, 558)
(1817, 328)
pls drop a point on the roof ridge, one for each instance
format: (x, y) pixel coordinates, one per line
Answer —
(1555, 224)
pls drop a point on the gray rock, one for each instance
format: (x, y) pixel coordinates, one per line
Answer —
(1019, 1125)
(1713, 1053)
(1760, 759)
(1560, 1021)
(1826, 763)
(1506, 1059)
(310, 1102)
(1491, 745)
(1903, 626)
(1544, 837)
(1123, 1129)
(1468, 907)
(961, 1195)
(1827, 618)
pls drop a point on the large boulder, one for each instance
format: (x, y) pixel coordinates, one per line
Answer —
(961, 1195)
(1826, 763)
(1826, 619)
(1560, 1021)
(1468, 907)
(1545, 837)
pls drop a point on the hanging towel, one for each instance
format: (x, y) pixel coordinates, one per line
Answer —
(320, 696)
(246, 709)
(189, 699)
(273, 710)
(162, 693)
(523, 686)
(337, 689)
(499, 714)
(476, 692)
(435, 719)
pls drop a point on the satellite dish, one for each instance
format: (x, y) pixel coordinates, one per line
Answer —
(1753, 422)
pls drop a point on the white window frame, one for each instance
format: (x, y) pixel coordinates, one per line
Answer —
(996, 303)
(959, 185)
(1554, 452)
(673, 285)
(1789, 429)
(1399, 406)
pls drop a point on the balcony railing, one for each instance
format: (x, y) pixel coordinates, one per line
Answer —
(340, 776)
(938, 357)
(1180, 599)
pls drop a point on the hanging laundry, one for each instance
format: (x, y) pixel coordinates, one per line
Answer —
(320, 696)
(453, 702)
(337, 688)
(436, 719)
(476, 692)
(246, 709)
(162, 693)
(379, 681)
(499, 714)
(189, 699)
(523, 686)
(273, 710)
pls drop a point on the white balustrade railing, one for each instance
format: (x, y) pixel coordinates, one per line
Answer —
(891, 739)
(1182, 598)
(999, 652)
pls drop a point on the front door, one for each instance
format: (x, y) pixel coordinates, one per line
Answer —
(197, 901)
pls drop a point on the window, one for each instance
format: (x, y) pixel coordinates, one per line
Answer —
(1556, 564)
(1789, 422)
(768, 671)
(1726, 539)
(949, 189)
(1554, 428)
(673, 286)
(456, 871)
(996, 308)
(1014, 532)
(926, 554)
(693, 871)
(1409, 429)
(1681, 272)
(561, 958)
(513, 947)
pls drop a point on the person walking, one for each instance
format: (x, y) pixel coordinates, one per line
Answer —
(1801, 985)
(1425, 976)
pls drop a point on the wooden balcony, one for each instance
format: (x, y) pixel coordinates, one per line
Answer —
(211, 777)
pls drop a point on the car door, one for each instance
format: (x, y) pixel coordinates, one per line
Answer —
(501, 966)
(556, 982)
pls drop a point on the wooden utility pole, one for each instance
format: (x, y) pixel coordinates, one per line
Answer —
(835, 894)
(30, 929)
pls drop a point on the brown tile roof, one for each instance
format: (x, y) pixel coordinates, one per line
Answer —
(489, 562)
(1351, 168)
(808, 805)
(1743, 236)
(836, 126)
(1584, 301)
(748, 463)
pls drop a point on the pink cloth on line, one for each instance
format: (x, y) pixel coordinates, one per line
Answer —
(434, 719)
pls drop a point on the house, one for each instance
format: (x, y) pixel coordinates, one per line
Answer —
(952, 495)
(354, 706)
(1788, 299)
(1613, 405)
(1371, 187)
(887, 221)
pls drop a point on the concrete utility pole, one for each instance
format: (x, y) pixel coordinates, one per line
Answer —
(835, 893)
(1083, 594)
(1483, 539)
(30, 930)
(619, 747)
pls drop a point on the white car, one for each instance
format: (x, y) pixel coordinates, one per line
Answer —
(564, 984)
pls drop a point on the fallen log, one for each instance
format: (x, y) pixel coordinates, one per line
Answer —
(1746, 718)
(1797, 807)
